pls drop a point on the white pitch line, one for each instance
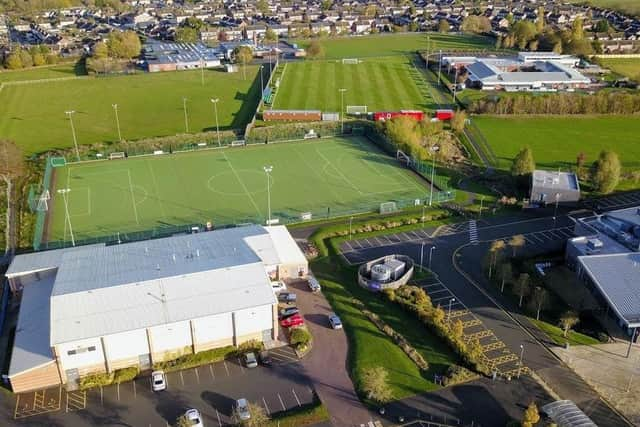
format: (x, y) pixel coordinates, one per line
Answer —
(133, 199)
(242, 183)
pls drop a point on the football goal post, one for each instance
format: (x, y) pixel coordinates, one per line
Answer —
(42, 204)
(58, 162)
(238, 143)
(404, 158)
(350, 61)
(117, 155)
(356, 110)
(388, 207)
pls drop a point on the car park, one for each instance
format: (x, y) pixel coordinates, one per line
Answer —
(287, 297)
(295, 320)
(286, 312)
(278, 286)
(193, 418)
(158, 381)
(241, 409)
(250, 360)
(265, 358)
(314, 285)
(335, 321)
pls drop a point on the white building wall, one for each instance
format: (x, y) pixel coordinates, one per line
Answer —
(88, 353)
(213, 328)
(126, 345)
(170, 337)
(253, 320)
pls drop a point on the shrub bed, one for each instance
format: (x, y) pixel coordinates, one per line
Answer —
(105, 379)
(458, 374)
(415, 300)
(208, 356)
(300, 338)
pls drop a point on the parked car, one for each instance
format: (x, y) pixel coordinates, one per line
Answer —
(287, 297)
(250, 360)
(314, 285)
(289, 311)
(242, 410)
(278, 286)
(335, 321)
(265, 358)
(295, 320)
(194, 418)
(158, 381)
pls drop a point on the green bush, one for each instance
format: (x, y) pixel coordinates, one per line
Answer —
(125, 374)
(300, 337)
(251, 345)
(458, 374)
(195, 359)
(96, 380)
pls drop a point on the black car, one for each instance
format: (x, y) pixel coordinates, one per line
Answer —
(287, 297)
(265, 358)
(288, 312)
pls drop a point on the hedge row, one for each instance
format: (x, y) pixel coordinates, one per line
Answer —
(398, 339)
(415, 300)
(208, 356)
(105, 379)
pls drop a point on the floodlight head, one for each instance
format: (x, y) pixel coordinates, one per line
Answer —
(115, 106)
(342, 90)
(215, 100)
(268, 169)
(70, 112)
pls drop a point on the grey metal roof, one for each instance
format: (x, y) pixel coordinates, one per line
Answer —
(617, 277)
(630, 215)
(31, 346)
(555, 180)
(565, 413)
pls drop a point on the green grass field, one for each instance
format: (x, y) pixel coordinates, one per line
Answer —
(557, 141)
(379, 83)
(397, 44)
(628, 67)
(149, 105)
(227, 186)
(39, 73)
(557, 336)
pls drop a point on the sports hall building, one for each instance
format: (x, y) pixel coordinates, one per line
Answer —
(99, 308)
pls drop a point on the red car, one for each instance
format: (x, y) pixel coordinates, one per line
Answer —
(295, 320)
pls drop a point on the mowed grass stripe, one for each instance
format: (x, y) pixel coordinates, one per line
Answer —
(376, 77)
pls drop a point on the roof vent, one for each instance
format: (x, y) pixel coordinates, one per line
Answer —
(157, 266)
(197, 252)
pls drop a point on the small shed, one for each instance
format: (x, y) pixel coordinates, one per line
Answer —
(549, 187)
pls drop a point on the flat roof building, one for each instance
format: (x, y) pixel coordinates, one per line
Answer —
(100, 308)
(167, 56)
(551, 186)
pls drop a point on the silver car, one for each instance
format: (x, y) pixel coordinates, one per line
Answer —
(250, 360)
(242, 410)
(158, 381)
(335, 321)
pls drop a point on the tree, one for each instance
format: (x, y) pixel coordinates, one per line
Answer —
(530, 416)
(326, 4)
(523, 163)
(476, 24)
(263, 6)
(496, 247)
(522, 287)
(243, 54)
(505, 272)
(606, 172)
(11, 169)
(270, 36)
(516, 242)
(100, 50)
(567, 321)
(186, 35)
(374, 385)
(25, 58)
(443, 26)
(315, 50)
(258, 418)
(523, 32)
(539, 299)
(13, 61)
(124, 44)
(577, 31)
(457, 329)
(602, 26)
(458, 121)
(540, 19)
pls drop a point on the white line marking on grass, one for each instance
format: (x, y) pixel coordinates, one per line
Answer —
(156, 188)
(339, 171)
(242, 184)
(133, 198)
(275, 95)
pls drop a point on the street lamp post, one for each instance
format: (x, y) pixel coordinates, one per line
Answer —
(430, 256)
(186, 117)
(215, 110)
(481, 206)
(451, 301)
(342, 91)
(261, 82)
(521, 358)
(350, 223)
(70, 114)
(115, 108)
(422, 255)
(423, 208)
(440, 67)
(455, 85)
(555, 211)
(268, 170)
(433, 150)
(64, 192)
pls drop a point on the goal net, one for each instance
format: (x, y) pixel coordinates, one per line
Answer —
(404, 158)
(353, 61)
(357, 130)
(117, 155)
(356, 110)
(388, 207)
(42, 204)
(238, 143)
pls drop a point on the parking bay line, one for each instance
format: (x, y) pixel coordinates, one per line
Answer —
(281, 402)
(181, 378)
(197, 375)
(296, 396)
(219, 421)
(266, 407)
(211, 371)
(224, 362)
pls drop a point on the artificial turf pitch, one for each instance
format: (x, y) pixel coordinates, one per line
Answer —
(227, 186)
(382, 84)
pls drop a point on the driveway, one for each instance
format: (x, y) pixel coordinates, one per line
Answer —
(326, 364)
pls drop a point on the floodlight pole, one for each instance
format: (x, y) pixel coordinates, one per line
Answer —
(433, 170)
(70, 114)
(555, 211)
(521, 357)
(261, 82)
(455, 85)
(451, 301)
(64, 192)
(342, 91)
(428, 48)
(430, 256)
(481, 206)
(186, 117)
(115, 108)
(422, 255)
(215, 109)
(439, 67)
(268, 170)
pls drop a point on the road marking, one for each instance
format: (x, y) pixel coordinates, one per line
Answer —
(211, 371)
(117, 390)
(219, 421)
(281, 402)
(197, 375)
(296, 396)
(101, 396)
(241, 367)
(266, 407)
(134, 390)
(181, 377)
(224, 362)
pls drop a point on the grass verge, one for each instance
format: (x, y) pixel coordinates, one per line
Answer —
(556, 335)
(306, 415)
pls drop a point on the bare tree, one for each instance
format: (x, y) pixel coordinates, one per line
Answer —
(496, 248)
(539, 299)
(522, 287)
(516, 242)
(567, 321)
(11, 168)
(506, 274)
